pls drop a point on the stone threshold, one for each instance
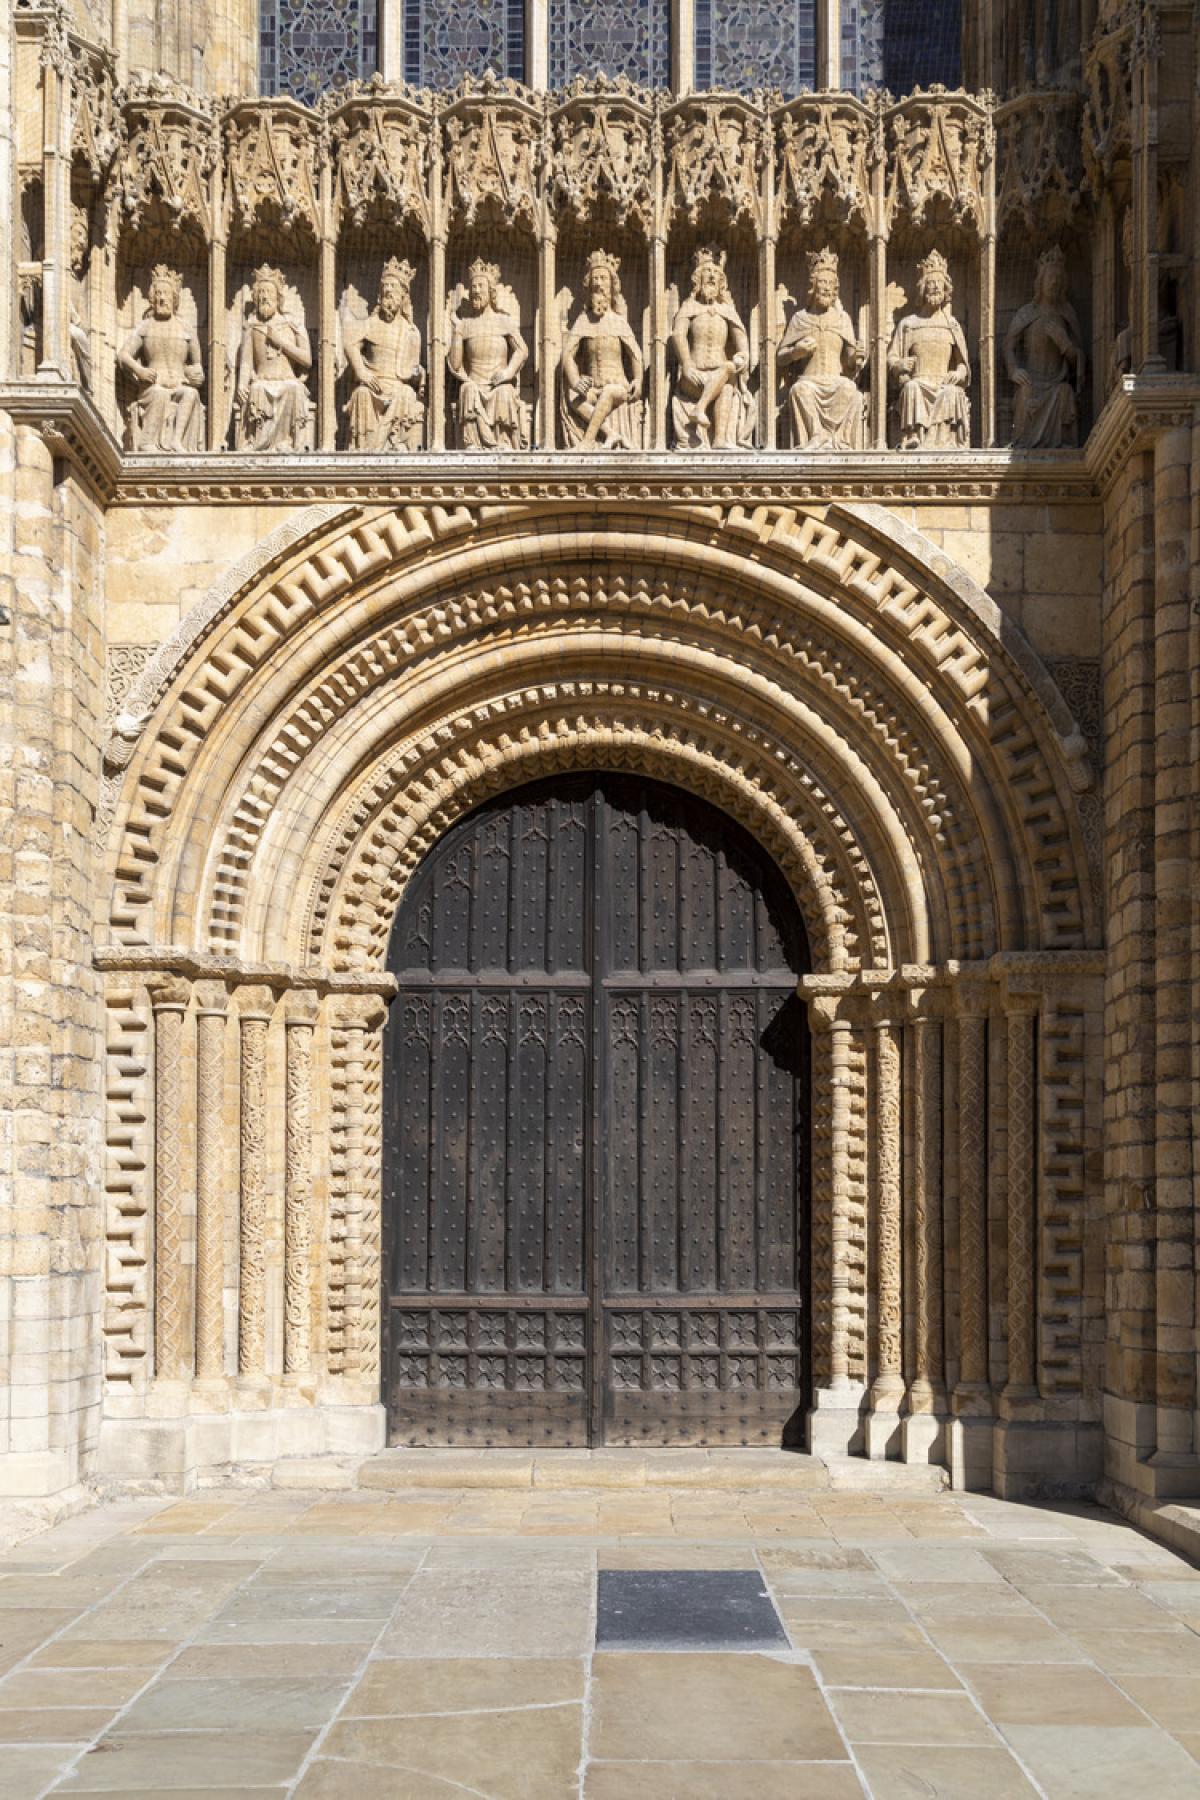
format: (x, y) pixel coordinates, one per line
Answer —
(1175, 1523)
(401, 1470)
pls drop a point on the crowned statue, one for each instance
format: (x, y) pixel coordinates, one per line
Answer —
(928, 357)
(386, 409)
(602, 366)
(486, 356)
(162, 355)
(1043, 354)
(712, 407)
(272, 408)
(827, 405)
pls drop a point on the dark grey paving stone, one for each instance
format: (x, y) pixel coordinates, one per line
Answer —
(686, 1609)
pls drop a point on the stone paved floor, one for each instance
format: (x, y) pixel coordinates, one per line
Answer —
(423, 1644)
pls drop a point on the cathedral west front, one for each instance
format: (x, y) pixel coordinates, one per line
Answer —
(601, 736)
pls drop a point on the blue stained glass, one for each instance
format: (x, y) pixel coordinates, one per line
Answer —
(309, 46)
(447, 39)
(613, 37)
(747, 44)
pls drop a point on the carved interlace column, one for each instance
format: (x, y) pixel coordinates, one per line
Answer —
(302, 1012)
(926, 1391)
(256, 1005)
(972, 1192)
(172, 1361)
(1021, 1024)
(212, 1004)
(360, 1014)
(887, 1389)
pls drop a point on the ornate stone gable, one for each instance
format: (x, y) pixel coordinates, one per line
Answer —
(169, 150)
(714, 155)
(274, 150)
(603, 151)
(941, 146)
(493, 138)
(381, 149)
(825, 152)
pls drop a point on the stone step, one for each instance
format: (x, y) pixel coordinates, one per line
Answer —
(725, 1470)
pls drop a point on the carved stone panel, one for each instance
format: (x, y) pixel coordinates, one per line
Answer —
(382, 159)
(823, 154)
(603, 153)
(940, 148)
(714, 152)
(170, 146)
(492, 144)
(272, 151)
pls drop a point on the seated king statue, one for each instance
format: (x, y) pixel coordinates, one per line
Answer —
(486, 356)
(386, 410)
(602, 366)
(827, 406)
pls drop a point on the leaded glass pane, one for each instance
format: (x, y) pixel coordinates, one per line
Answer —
(616, 37)
(862, 45)
(922, 43)
(308, 46)
(447, 39)
(746, 44)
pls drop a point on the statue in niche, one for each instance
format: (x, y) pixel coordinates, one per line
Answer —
(387, 408)
(162, 355)
(81, 343)
(828, 408)
(712, 407)
(928, 356)
(486, 356)
(272, 409)
(1043, 353)
(602, 366)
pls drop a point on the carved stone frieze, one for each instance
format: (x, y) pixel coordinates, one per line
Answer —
(603, 152)
(824, 151)
(493, 141)
(1039, 174)
(273, 152)
(381, 147)
(714, 151)
(170, 144)
(941, 146)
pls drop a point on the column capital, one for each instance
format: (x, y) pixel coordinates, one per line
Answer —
(168, 993)
(212, 999)
(360, 1012)
(255, 1002)
(302, 1006)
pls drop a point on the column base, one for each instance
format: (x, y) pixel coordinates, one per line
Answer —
(835, 1420)
(882, 1433)
(1045, 1459)
(970, 1439)
(923, 1437)
(176, 1455)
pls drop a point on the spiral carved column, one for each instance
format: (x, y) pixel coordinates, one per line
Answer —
(887, 1389)
(1022, 1270)
(298, 1192)
(169, 997)
(256, 1006)
(923, 1426)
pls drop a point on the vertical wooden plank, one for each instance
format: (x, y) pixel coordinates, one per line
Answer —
(527, 1193)
(416, 1037)
(491, 1157)
(737, 1105)
(661, 1130)
(700, 1104)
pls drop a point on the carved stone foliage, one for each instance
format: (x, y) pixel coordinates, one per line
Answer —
(94, 128)
(603, 153)
(492, 137)
(1107, 122)
(940, 148)
(1039, 175)
(273, 153)
(824, 150)
(382, 157)
(169, 150)
(714, 160)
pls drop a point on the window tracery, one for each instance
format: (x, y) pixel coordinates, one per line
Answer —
(747, 44)
(309, 46)
(447, 39)
(619, 37)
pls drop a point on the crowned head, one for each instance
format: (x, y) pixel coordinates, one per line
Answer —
(1050, 282)
(269, 289)
(602, 281)
(823, 277)
(395, 288)
(709, 281)
(166, 287)
(933, 280)
(483, 282)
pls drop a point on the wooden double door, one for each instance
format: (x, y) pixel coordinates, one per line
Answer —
(595, 1129)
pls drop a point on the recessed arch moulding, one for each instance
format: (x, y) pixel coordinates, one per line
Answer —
(825, 676)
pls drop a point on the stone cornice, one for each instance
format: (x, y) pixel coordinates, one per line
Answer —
(758, 477)
(1138, 407)
(169, 960)
(72, 427)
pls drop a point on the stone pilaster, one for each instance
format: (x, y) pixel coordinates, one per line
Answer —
(212, 1179)
(887, 1388)
(255, 1006)
(303, 1009)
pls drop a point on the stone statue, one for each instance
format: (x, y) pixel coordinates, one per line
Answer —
(386, 410)
(602, 366)
(928, 356)
(486, 356)
(712, 407)
(1043, 353)
(272, 409)
(827, 407)
(81, 344)
(162, 355)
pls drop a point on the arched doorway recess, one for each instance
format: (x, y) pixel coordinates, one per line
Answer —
(595, 1128)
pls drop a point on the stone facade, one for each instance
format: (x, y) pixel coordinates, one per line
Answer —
(252, 675)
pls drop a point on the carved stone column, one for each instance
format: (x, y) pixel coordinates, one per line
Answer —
(548, 346)
(987, 308)
(659, 324)
(766, 296)
(256, 1005)
(302, 1012)
(835, 1422)
(887, 1388)
(1022, 1274)
(218, 245)
(56, 203)
(211, 1185)
(877, 244)
(169, 997)
(327, 304)
(359, 1014)
(436, 335)
(924, 1423)
(970, 1433)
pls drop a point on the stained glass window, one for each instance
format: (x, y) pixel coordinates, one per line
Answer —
(618, 37)
(447, 39)
(307, 46)
(746, 44)
(862, 44)
(922, 43)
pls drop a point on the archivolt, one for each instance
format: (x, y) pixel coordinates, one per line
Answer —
(325, 722)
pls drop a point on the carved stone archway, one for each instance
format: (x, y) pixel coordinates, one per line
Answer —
(821, 674)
